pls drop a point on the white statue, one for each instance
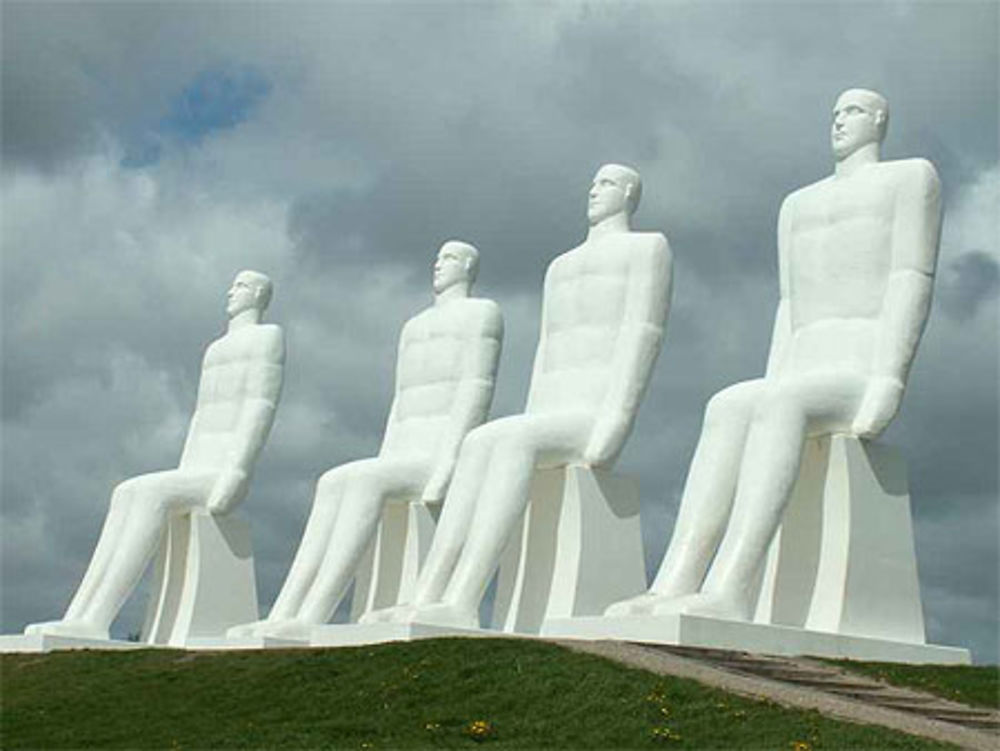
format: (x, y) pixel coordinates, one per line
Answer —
(856, 255)
(237, 396)
(445, 372)
(603, 313)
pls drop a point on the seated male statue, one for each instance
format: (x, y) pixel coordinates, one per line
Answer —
(856, 257)
(237, 396)
(445, 372)
(604, 308)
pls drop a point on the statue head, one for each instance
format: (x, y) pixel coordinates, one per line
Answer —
(250, 290)
(860, 117)
(616, 189)
(457, 262)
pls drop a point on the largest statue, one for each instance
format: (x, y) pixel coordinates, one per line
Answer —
(856, 255)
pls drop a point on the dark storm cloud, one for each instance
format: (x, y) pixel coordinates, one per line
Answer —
(387, 129)
(969, 280)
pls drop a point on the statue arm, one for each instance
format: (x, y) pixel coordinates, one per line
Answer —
(390, 421)
(539, 360)
(264, 378)
(473, 396)
(635, 352)
(782, 330)
(915, 235)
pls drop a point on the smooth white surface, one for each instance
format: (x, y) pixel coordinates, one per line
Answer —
(237, 397)
(388, 571)
(204, 580)
(578, 549)
(697, 631)
(846, 564)
(604, 309)
(216, 643)
(41, 642)
(353, 634)
(856, 256)
(445, 371)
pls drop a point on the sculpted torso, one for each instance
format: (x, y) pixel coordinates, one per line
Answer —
(839, 259)
(239, 368)
(586, 294)
(433, 351)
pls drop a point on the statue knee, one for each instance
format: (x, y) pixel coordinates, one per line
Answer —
(732, 405)
(327, 487)
(481, 438)
(127, 492)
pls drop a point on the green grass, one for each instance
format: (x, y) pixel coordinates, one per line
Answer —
(422, 694)
(978, 685)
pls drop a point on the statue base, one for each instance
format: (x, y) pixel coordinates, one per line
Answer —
(204, 579)
(213, 643)
(577, 550)
(388, 570)
(52, 643)
(356, 634)
(712, 633)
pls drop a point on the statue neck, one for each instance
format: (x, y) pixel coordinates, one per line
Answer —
(858, 159)
(457, 291)
(242, 320)
(616, 223)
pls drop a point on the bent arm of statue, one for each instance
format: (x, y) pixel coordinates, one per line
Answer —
(264, 378)
(473, 397)
(636, 349)
(916, 229)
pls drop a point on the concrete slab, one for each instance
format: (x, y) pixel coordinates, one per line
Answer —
(696, 631)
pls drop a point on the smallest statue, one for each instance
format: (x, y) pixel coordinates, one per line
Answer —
(237, 397)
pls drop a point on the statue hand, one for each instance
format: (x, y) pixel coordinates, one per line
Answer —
(437, 486)
(229, 489)
(878, 406)
(605, 442)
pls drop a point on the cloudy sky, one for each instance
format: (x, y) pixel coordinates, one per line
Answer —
(151, 151)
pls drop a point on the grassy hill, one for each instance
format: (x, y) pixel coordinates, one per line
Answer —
(441, 693)
(976, 685)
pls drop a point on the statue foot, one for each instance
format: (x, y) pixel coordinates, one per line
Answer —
(395, 614)
(78, 629)
(706, 604)
(446, 614)
(290, 628)
(244, 630)
(639, 605)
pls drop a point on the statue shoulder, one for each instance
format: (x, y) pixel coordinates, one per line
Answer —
(794, 199)
(650, 248)
(269, 341)
(487, 313)
(917, 172)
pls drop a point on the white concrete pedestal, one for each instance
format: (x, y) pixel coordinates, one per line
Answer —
(843, 560)
(354, 634)
(840, 578)
(578, 550)
(52, 643)
(204, 581)
(388, 571)
(695, 631)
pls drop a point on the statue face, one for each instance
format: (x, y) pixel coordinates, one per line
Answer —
(450, 268)
(856, 123)
(242, 295)
(608, 194)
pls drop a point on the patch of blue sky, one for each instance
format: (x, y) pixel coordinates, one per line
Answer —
(215, 99)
